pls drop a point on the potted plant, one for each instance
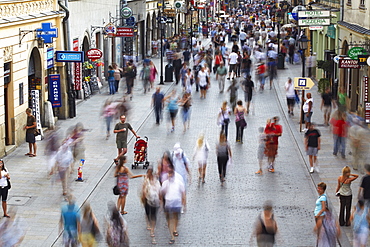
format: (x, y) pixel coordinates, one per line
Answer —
(323, 84)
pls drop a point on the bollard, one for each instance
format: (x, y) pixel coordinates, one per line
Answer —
(79, 171)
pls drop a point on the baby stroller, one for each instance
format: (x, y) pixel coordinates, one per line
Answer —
(141, 153)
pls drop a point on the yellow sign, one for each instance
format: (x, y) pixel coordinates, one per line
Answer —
(303, 83)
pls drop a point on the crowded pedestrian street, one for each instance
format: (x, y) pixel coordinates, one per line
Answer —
(216, 214)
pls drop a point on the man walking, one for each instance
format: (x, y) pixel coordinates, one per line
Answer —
(30, 133)
(157, 103)
(121, 129)
(220, 76)
(326, 105)
(233, 59)
(70, 219)
(312, 143)
(290, 96)
(308, 110)
(248, 88)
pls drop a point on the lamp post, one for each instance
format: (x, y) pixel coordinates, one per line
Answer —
(281, 57)
(303, 44)
(191, 30)
(161, 4)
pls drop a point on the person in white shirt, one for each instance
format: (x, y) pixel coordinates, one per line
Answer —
(173, 193)
(242, 37)
(290, 95)
(233, 59)
(4, 186)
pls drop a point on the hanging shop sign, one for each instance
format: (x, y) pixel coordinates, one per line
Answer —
(35, 106)
(47, 32)
(316, 28)
(126, 12)
(366, 88)
(314, 13)
(94, 54)
(367, 113)
(362, 59)
(125, 32)
(130, 21)
(78, 76)
(314, 22)
(55, 93)
(69, 56)
(355, 51)
(348, 64)
(303, 83)
(50, 58)
(110, 29)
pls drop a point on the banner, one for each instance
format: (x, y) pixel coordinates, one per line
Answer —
(55, 91)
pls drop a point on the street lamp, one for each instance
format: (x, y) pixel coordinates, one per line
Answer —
(281, 58)
(161, 23)
(191, 30)
(303, 45)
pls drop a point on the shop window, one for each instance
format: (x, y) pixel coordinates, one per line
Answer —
(349, 2)
(362, 4)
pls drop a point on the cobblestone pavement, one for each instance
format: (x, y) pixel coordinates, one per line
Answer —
(215, 216)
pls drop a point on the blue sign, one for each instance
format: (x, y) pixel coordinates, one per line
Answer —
(50, 58)
(70, 56)
(47, 33)
(55, 92)
(130, 21)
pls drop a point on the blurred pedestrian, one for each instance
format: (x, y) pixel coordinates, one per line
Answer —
(240, 122)
(308, 110)
(64, 160)
(223, 152)
(4, 187)
(157, 103)
(272, 70)
(111, 83)
(121, 129)
(261, 73)
(340, 127)
(181, 163)
(261, 148)
(172, 107)
(273, 131)
(201, 151)
(117, 75)
(30, 128)
(123, 174)
(359, 141)
(248, 88)
(109, 112)
(233, 89)
(130, 74)
(203, 81)
(177, 64)
(327, 104)
(329, 231)
(70, 220)
(221, 72)
(313, 145)
(266, 226)
(360, 218)
(320, 208)
(183, 72)
(77, 145)
(145, 76)
(290, 95)
(224, 118)
(150, 198)
(51, 149)
(364, 190)
(185, 102)
(153, 73)
(89, 227)
(174, 197)
(116, 235)
(344, 192)
(163, 164)
(189, 80)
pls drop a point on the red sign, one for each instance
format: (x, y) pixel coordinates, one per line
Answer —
(348, 64)
(125, 32)
(367, 113)
(78, 78)
(94, 54)
(366, 88)
(75, 44)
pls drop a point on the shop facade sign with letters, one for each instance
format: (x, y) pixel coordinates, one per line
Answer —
(77, 69)
(355, 51)
(50, 58)
(367, 112)
(55, 96)
(366, 88)
(348, 64)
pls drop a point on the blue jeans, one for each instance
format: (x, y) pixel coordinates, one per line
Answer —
(339, 145)
(112, 87)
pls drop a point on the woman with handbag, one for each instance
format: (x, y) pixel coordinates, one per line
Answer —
(4, 186)
(240, 122)
(223, 118)
(122, 174)
(344, 192)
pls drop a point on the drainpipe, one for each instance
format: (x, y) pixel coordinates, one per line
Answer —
(67, 45)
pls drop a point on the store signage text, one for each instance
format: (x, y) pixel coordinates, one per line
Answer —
(367, 112)
(366, 88)
(125, 32)
(324, 13)
(94, 54)
(47, 33)
(355, 51)
(50, 58)
(314, 22)
(348, 64)
(55, 90)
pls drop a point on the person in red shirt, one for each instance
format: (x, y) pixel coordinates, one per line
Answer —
(261, 74)
(340, 127)
(273, 131)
